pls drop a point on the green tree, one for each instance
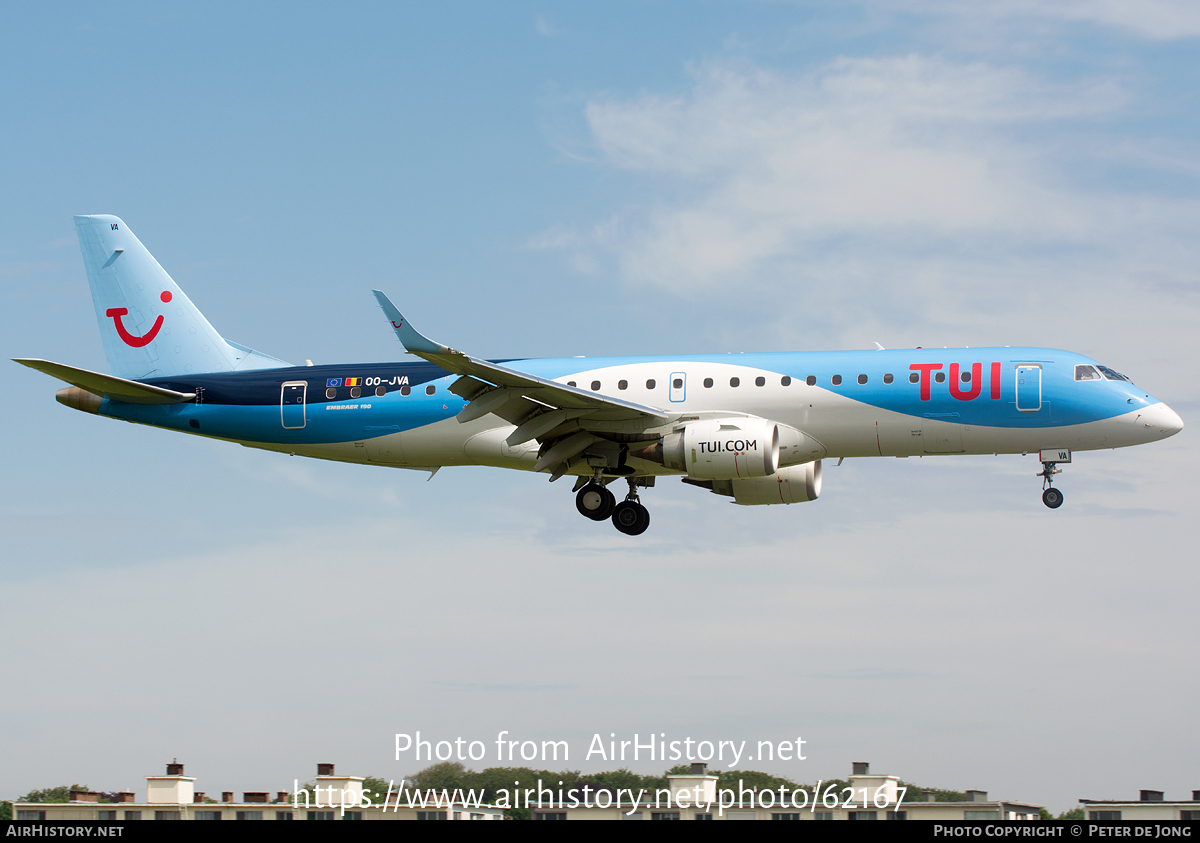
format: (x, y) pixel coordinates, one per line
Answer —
(1073, 814)
(5, 810)
(62, 793)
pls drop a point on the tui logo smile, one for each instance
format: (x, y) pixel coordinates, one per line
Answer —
(129, 339)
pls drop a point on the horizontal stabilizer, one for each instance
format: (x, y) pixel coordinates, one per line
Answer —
(118, 389)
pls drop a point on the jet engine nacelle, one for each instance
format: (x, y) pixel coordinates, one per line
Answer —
(724, 449)
(795, 484)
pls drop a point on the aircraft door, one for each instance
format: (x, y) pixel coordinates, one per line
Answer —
(291, 404)
(1029, 388)
(678, 387)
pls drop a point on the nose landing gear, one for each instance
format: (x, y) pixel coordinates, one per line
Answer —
(1051, 497)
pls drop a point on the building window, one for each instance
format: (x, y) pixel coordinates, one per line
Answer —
(735, 381)
(650, 383)
(207, 815)
(31, 815)
(249, 815)
(837, 380)
(702, 816)
(284, 815)
(431, 815)
(789, 816)
(327, 815)
(355, 815)
(664, 815)
(132, 815)
(760, 381)
(106, 815)
(983, 815)
(785, 381)
(708, 382)
(1104, 815)
(478, 816)
(550, 815)
(888, 378)
(636, 815)
(811, 380)
(166, 815)
(429, 390)
(862, 815)
(897, 815)
(1189, 815)
(823, 815)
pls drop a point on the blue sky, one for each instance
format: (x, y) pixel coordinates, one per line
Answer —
(528, 179)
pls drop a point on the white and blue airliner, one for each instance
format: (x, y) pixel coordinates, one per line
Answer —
(753, 427)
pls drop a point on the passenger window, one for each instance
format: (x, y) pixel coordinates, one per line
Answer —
(1086, 373)
(355, 392)
(940, 377)
(708, 383)
(888, 378)
(966, 377)
(380, 391)
(862, 379)
(760, 381)
(677, 383)
(595, 386)
(785, 381)
(650, 384)
(404, 390)
(735, 381)
(622, 384)
(837, 380)
(914, 377)
(811, 380)
(429, 390)
(571, 383)
(331, 393)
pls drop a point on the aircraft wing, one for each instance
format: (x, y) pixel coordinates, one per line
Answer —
(108, 386)
(526, 400)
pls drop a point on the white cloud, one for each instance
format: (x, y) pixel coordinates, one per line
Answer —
(1156, 19)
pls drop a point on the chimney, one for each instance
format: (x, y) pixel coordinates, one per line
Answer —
(861, 768)
(198, 798)
(175, 768)
(929, 795)
(252, 796)
(226, 795)
(977, 796)
(324, 769)
(1153, 796)
(282, 796)
(699, 768)
(1196, 795)
(123, 796)
(84, 796)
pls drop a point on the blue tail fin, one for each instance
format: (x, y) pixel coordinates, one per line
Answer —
(149, 326)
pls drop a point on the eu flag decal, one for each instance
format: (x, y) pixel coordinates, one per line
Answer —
(334, 382)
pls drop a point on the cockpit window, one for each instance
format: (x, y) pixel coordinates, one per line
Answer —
(1086, 373)
(1111, 375)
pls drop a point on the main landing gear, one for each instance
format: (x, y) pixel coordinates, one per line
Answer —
(595, 501)
(1051, 497)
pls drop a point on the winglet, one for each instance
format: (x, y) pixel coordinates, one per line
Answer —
(413, 341)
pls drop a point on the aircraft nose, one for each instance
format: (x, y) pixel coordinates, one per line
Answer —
(1161, 421)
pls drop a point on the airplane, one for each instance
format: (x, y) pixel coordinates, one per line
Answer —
(754, 427)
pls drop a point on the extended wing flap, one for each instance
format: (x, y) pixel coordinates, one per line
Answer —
(108, 386)
(547, 392)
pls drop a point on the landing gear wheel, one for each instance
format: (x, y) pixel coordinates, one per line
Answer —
(631, 518)
(595, 502)
(1052, 498)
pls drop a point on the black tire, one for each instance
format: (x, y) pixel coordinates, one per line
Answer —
(631, 518)
(595, 502)
(1052, 498)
